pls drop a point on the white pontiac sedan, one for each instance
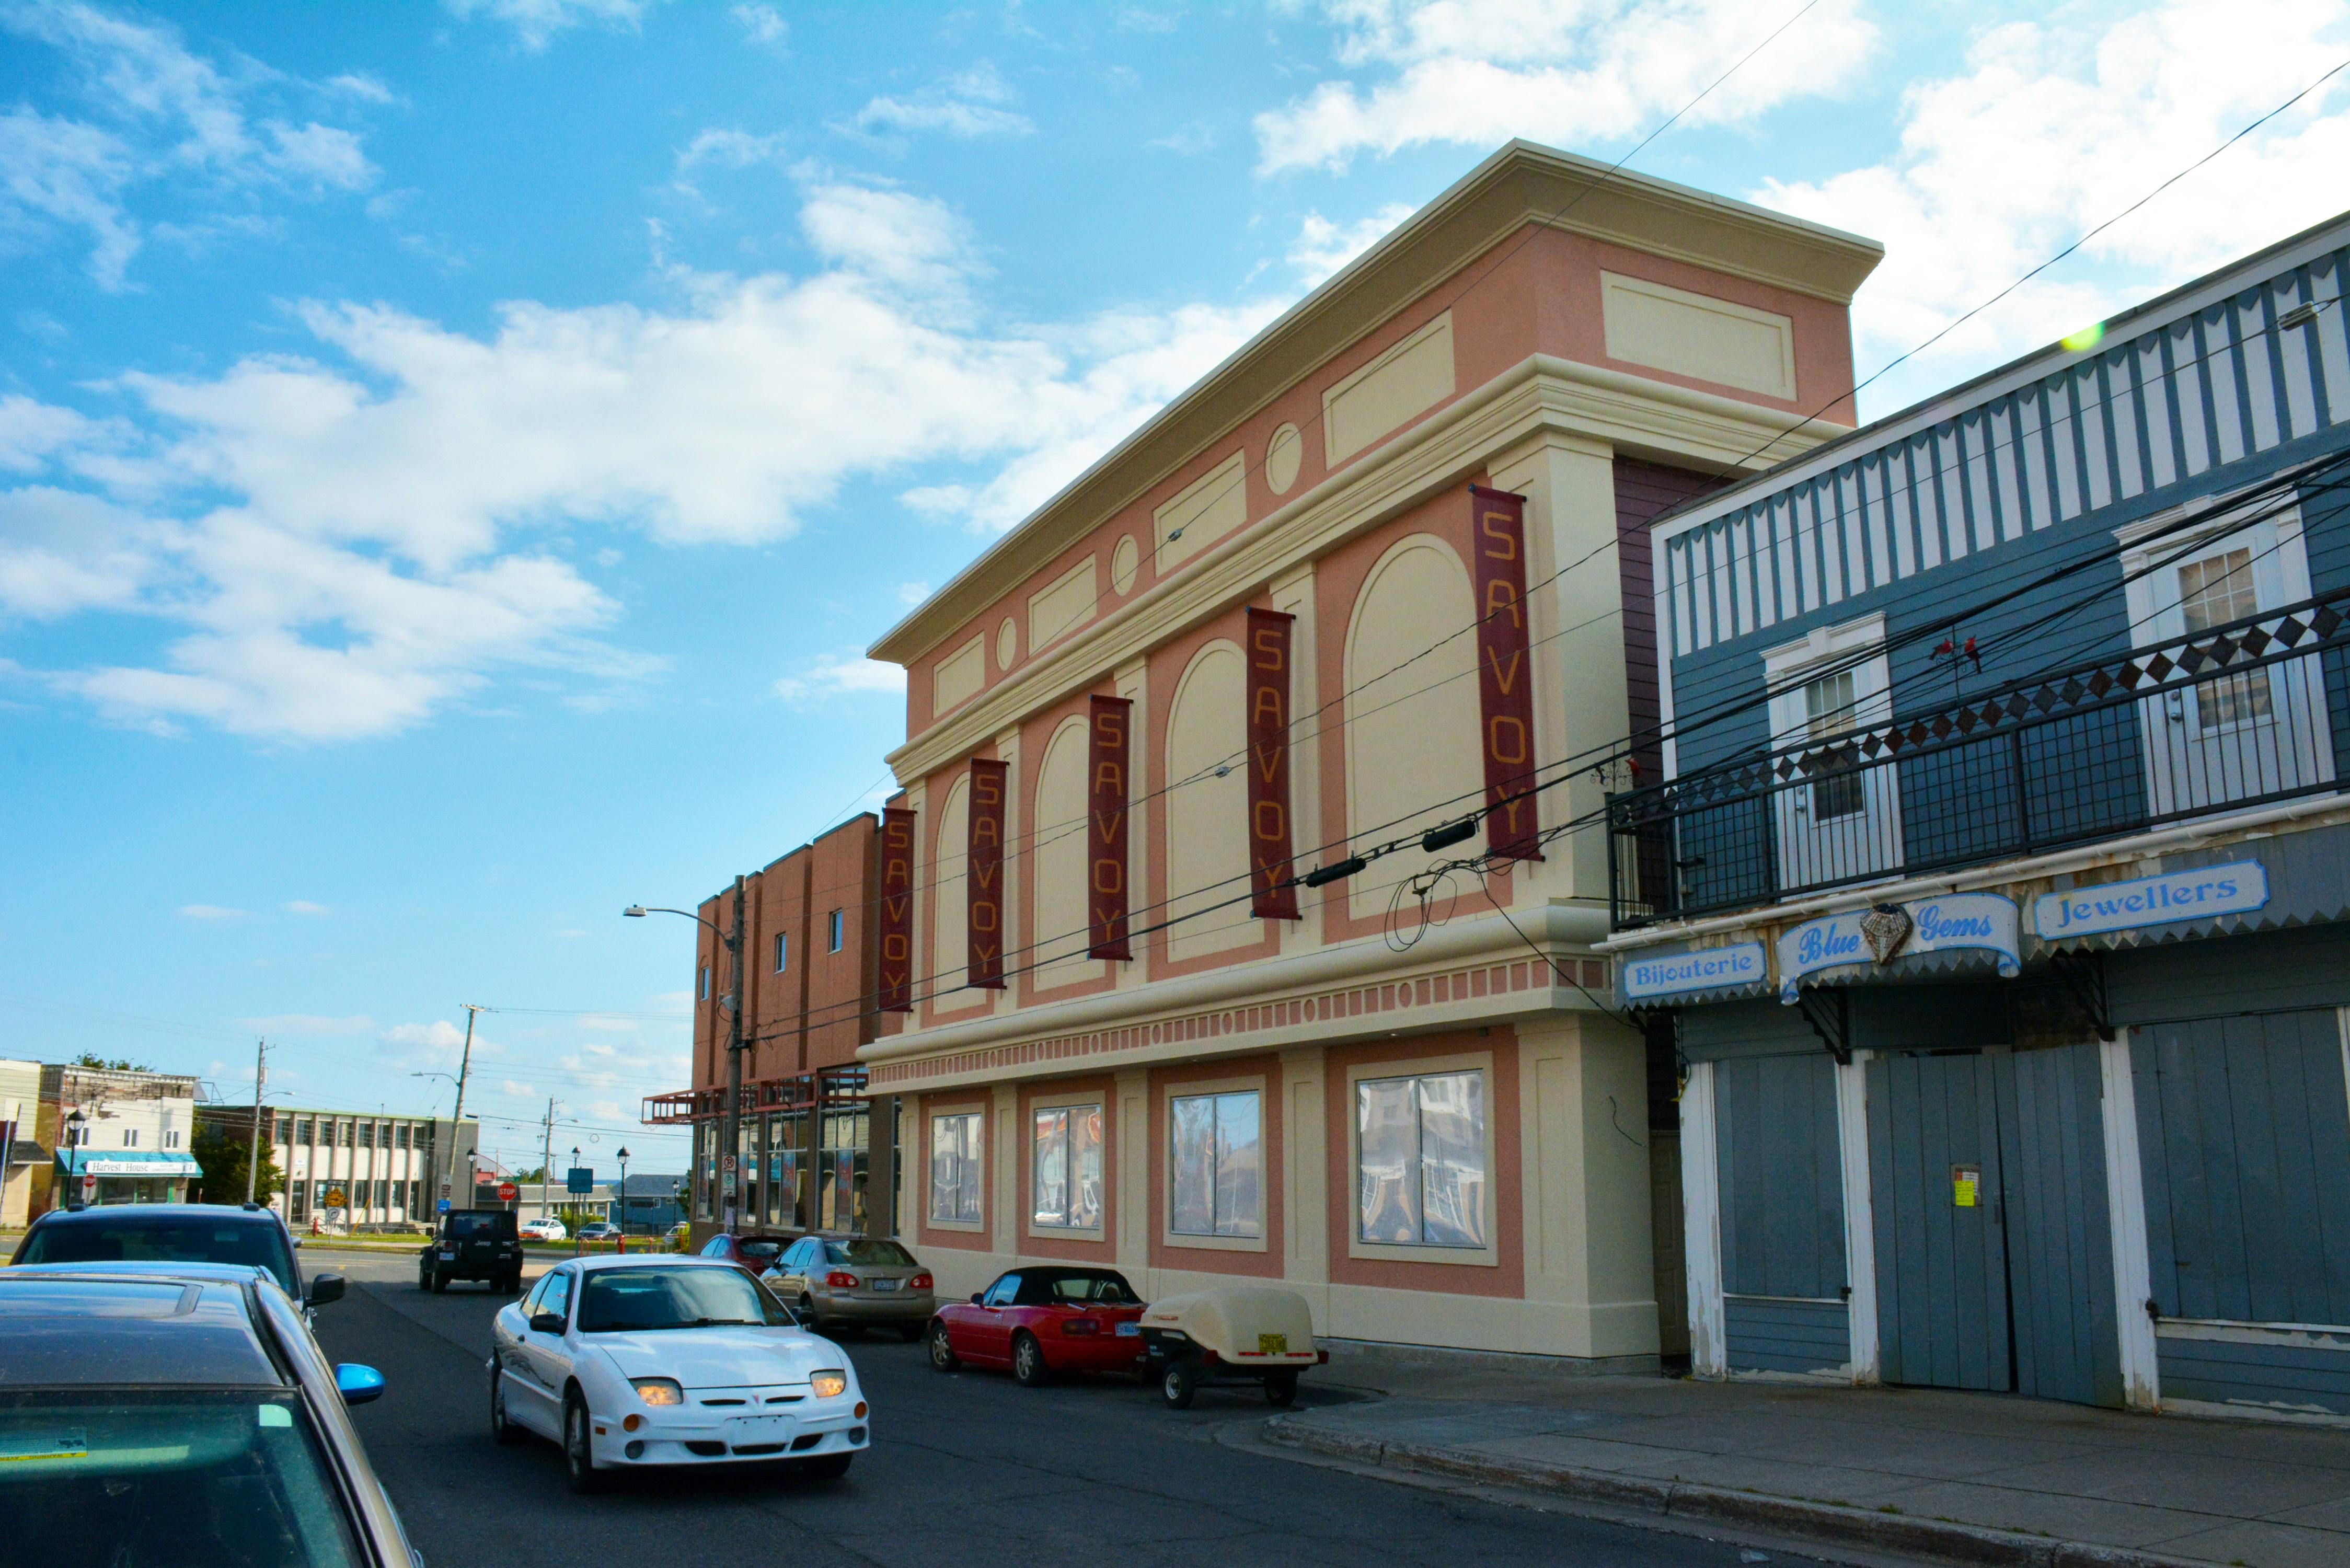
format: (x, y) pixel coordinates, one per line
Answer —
(630, 1363)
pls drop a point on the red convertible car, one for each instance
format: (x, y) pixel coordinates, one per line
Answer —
(1040, 1321)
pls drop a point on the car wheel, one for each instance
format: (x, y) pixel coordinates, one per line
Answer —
(911, 1332)
(809, 1319)
(578, 1457)
(439, 1283)
(423, 1280)
(942, 1355)
(501, 1427)
(826, 1467)
(1181, 1381)
(1028, 1368)
(1281, 1389)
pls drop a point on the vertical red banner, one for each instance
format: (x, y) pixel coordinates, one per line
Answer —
(1505, 702)
(983, 875)
(1272, 895)
(896, 934)
(1109, 768)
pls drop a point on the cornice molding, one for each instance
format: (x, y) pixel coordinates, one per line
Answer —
(1539, 395)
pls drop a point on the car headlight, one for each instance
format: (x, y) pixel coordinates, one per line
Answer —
(828, 1385)
(658, 1390)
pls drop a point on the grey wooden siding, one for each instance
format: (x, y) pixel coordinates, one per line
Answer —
(2264, 972)
(2060, 1253)
(1781, 1179)
(1786, 1336)
(2305, 1378)
(2244, 1145)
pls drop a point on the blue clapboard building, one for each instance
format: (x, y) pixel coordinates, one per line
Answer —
(1990, 861)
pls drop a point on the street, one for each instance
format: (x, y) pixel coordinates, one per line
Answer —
(964, 1469)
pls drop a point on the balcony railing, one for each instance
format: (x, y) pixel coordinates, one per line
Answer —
(2231, 716)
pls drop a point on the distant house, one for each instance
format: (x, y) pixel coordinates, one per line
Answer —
(118, 1136)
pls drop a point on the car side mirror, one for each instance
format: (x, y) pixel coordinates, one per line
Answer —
(358, 1384)
(546, 1322)
(325, 1288)
(974, 1297)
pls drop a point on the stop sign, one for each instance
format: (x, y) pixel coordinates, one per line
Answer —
(508, 1192)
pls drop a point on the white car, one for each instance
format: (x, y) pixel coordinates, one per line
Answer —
(546, 1228)
(634, 1363)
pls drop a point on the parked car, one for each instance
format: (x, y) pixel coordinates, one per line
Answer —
(179, 1412)
(756, 1253)
(545, 1227)
(850, 1282)
(637, 1363)
(1040, 1321)
(598, 1230)
(1238, 1335)
(250, 1236)
(473, 1244)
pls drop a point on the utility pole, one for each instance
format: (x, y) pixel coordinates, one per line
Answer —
(260, 1077)
(456, 1122)
(546, 1156)
(731, 1146)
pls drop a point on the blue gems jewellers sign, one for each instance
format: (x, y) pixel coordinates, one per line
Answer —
(1981, 920)
(1706, 968)
(2236, 889)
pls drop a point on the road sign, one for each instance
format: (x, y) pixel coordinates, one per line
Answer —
(728, 1165)
(445, 1206)
(89, 1185)
(337, 1199)
(508, 1192)
(579, 1179)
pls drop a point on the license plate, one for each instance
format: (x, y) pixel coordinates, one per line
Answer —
(884, 1284)
(1130, 1331)
(1273, 1344)
(758, 1425)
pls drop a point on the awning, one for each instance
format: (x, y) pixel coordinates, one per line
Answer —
(128, 1162)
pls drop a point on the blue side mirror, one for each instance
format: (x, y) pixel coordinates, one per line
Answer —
(359, 1383)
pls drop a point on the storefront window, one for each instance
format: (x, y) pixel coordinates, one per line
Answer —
(954, 1168)
(1067, 1168)
(1421, 1160)
(1217, 1186)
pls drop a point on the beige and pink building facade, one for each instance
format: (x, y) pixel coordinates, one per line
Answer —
(1412, 1102)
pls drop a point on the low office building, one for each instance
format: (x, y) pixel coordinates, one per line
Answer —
(355, 1169)
(1997, 882)
(120, 1137)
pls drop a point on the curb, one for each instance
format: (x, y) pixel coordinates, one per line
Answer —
(1685, 1500)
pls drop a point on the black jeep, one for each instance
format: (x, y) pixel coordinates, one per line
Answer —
(473, 1244)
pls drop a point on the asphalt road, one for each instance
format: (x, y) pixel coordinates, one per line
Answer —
(967, 1471)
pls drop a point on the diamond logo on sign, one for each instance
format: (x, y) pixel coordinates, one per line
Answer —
(1885, 929)
(1955, 921)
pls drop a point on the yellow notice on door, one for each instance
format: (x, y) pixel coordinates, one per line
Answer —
(1966, 1180)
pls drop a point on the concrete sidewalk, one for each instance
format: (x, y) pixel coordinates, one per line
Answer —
(1974, 1477)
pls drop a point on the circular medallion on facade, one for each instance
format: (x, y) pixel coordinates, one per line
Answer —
(1007, 644)
(1283, 455)
(1124, 561)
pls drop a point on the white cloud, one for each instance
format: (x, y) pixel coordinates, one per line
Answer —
(1322, 247)
(1482, 71)
(841, 676)
(537, 21)
(361, 84)
(304, 906)
(210, 912)
(762, 25)
(730, 150)
(911, 594)
(968, 105)
(2098, 118)
(169, 120)
(309, 1023)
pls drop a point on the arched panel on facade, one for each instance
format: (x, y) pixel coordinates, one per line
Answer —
(1412, 757)
(950, 904)
(1207, 817)
(1058, 867)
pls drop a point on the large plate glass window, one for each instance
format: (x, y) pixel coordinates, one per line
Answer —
(954, 1169)
(1420, 1179)
(1067, 1174)
(1218, 1185)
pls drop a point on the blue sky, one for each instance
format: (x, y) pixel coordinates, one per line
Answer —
(452, 458)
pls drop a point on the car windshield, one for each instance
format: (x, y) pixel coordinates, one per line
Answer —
(1104, 1289)
(257, 1241)
(873, 1253)
(192, 1479)
(624, 1300)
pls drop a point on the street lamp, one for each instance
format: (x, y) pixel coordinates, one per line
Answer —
(730, 1138)
(77, 1129)
(623, 1158)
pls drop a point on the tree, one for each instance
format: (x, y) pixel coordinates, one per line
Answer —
(91, 1059)
(222, 1149)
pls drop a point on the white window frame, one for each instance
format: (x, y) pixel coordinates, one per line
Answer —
(1071, 1103)
(1209, 1088)
(974, 1155)
(1789, 672)
(1488, 1256)
(130, 1138)
(783, 952)
(835, 930)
